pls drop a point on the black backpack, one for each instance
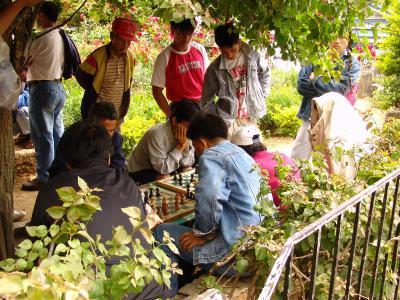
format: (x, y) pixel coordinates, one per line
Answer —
(72, 60)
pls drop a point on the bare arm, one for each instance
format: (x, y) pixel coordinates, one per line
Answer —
(8, 14)
(161, 100)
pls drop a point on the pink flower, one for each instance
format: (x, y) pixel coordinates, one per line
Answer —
(154, 19)
(82, 17)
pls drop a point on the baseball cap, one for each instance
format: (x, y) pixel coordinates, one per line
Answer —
(246, 135)
(125, 29)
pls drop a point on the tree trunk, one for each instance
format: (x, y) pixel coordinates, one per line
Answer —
(21, 29)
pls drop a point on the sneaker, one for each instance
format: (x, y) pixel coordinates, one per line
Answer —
(22, 139)
(32, 185)
(18, 215)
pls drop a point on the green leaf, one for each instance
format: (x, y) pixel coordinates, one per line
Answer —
(146, 232)
(43, 253)
(173, 248)
(75, 243)
(31, 230)
(47, 240)
(60, 248)
(261, 253)
(67, 194)
(135, 223)
(10, 285)
(33, 255)
(21, 264)
(20, 252)
(83, 185)
(85, 235)
(159, 254)
(121, 236)
(37, 245)
(54, 229)
(133, 212)
(26, 244)
(56, 212)
(242, 265)
(41, 231)
(140, 272)
(73, 215)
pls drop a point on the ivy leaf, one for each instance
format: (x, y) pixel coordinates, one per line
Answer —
(20, 252)
(83, 185)
(133, 212)
(139, 272)
(26, 244)
(67, 194)
(31, 230)
(157, 276)
(41, 231)
(86, 235)
(60, 248)
(75, 243)
(43, 253)
(21, 264)
(37, 245)
(261, 253)
(242, 265)
(121, 236)
(147, 234)
(54, 229)
(159, 254)
(56, 212)
(73, 215)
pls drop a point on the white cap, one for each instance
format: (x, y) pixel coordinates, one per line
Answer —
(246, 135)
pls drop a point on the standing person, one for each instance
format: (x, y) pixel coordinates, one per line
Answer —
(225, 197)
(47, 96)
(179, 68)
(310, 86)
(106, 74)
(240, 79)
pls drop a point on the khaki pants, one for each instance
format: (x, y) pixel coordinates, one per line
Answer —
(238, 123)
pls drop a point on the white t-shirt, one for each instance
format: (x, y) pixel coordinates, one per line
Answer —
(10, 84)
(238, 69)
(47, 55)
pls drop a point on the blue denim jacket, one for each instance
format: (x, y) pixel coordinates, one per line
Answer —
(314, 88)
(226, 195)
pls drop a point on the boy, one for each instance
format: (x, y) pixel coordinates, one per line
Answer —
(164, 148)
(225, 196)
(179, 68)
(240, 79)
(101, 113)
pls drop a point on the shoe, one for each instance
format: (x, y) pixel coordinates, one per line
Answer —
(18, 215)
(32, 185)
(22, 139)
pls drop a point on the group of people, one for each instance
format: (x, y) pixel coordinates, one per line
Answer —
(220, 134)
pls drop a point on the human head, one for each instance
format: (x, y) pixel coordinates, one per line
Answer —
(123, 32)
(182, 112)
(48, 14)
(227, 39)
(248, 138)
(205, 130)
(91, 141)
(339, 44)
(182, 33)
(105, 114)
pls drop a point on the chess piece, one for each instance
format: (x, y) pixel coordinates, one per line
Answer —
(164, 206)
(159, 212)
(151, 193)
(183, 197)
(158, 192)
(177, 206)
(175, 177)
(187, 189)
(180, 179)
(192, 177)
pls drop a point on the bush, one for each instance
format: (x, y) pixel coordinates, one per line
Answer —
(72, 108)
(282, 106)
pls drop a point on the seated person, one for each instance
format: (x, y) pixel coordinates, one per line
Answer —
(89, 156)
(248, 138)
(104, 114)
(21, 115)
(225, 197)
(164, 148)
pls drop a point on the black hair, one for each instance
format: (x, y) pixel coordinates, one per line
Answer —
(102, 110)
(185, 26)
(91, 141)
(184, 110)
(226, 35)
(254, 148)
(208, 126)
(51, 10)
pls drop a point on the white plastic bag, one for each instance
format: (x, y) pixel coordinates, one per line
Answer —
(10, 84)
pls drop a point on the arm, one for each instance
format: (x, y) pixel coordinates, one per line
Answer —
(8, 14)
(118, 158)
(305, 86)
(86, 72)
(188, 156)
(210, 90)
(341, 87)
(161, 100)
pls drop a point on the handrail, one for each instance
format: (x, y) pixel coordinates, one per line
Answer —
(279, 265)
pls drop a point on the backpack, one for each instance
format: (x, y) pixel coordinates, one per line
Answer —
(72, 60)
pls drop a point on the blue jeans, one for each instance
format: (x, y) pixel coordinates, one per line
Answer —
(175, 231)
(47, 99)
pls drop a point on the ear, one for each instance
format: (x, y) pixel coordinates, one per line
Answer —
(173, 121)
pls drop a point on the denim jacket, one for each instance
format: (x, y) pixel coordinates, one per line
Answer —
(314, 88)
(226, 195)
(219, 82)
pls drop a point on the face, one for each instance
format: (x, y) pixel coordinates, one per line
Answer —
(232, 52)
(119, 45)
(339, 44)
(109, 125)
(200, 145)
(41, 20)
(182, 39)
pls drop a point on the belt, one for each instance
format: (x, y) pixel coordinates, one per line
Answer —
(32, 82)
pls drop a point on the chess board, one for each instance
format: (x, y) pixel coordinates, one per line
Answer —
(174, 184)
(185, 212)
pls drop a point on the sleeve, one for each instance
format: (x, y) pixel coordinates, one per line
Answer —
(39, 213)
(355, 70)
(159, 78)
(86, 72)
(263, 73)
(305, 86)
(211, 192)
(188, 156)
(210, 90)
(118, 158)
(204, 54)
(163, 160)
(341, 87)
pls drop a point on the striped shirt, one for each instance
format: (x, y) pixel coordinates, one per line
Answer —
(112, 88)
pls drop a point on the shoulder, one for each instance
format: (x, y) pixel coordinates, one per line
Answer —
(198, 46)
(164, 54)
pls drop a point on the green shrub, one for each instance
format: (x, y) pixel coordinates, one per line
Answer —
(72, 108)
(282, 106)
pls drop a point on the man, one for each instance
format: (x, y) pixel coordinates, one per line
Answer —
(310, 86)
(89, 156)
(240, 79)
(23, 139)
(164, 148)
(225, 197)
(106, 74)
(101, 113)
(179, 68)
(47, 96)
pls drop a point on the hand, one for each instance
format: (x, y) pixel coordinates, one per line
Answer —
(180, 136)
(152, 218)
(189, 240)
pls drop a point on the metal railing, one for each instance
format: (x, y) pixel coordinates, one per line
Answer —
(389, 185)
